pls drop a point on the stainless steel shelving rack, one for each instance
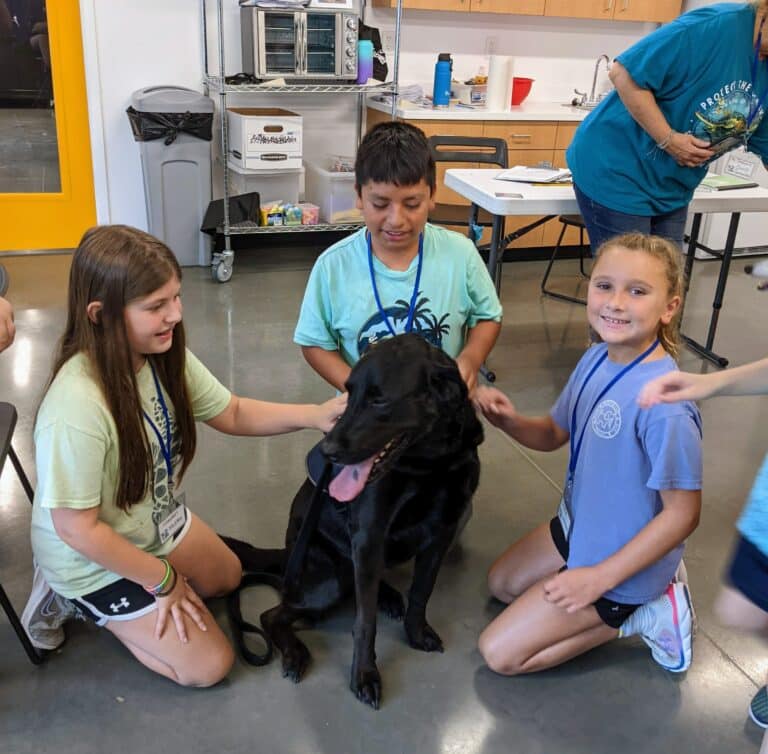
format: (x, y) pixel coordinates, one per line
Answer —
(222, 261)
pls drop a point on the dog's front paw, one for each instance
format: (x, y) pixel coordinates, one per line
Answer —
(295, 662)
(424, 637)
(391, 602)
(366, 685)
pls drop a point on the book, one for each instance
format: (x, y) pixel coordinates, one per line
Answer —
(715, 182)
(524, 174)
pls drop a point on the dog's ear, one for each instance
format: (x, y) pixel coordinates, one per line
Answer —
(446, 383)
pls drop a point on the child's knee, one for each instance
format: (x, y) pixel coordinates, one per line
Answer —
(497, 656)
(500, 585)
(210, 667)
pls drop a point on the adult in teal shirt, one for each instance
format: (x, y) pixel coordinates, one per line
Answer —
(637, 158)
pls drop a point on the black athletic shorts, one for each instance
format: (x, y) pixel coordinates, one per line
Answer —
(122, 600)
(612, 613)
(748, 573)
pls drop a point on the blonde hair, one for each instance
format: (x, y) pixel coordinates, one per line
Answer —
(670, 256)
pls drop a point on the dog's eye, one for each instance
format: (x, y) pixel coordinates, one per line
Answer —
(378, 402)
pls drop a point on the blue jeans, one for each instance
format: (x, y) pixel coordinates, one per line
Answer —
(603, 223)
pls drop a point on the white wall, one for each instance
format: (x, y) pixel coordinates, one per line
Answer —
(129, 45)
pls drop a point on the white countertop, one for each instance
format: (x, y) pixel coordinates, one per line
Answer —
(527, 111)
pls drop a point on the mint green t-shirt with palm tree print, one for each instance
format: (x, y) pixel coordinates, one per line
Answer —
(339, 310)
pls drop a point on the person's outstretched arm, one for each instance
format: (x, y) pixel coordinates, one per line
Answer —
(247, 416)
(7, 327)
(685, 149)
(480, 340)
(535, 432)
(328, 364)
(749, 379)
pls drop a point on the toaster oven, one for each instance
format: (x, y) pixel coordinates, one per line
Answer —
(299, 44)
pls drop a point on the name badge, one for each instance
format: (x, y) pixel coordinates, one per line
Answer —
(173, 523)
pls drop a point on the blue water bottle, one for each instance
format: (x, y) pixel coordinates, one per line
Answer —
(364, 61)
(441, 93)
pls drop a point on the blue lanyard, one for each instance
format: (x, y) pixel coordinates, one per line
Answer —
(166, 444)
(412, 306)
(576, 446)
(761, 101)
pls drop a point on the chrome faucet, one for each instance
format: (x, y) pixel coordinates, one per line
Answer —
(594, 76)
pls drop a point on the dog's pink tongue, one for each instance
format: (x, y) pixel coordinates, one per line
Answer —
(349, 483)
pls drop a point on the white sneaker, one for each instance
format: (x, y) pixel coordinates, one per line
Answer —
(671, 637)
(45, 614)
(682, 576)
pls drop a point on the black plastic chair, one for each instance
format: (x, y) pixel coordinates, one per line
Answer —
(572, 221)
(469, 149)
(8, 417)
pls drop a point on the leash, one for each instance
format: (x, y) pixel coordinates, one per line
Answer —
(288, 585)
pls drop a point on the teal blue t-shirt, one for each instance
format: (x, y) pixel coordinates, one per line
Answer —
(753, 522)
(339, 310)
(699, 68)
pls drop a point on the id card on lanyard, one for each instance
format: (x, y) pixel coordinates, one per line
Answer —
(175, 515)
(565, 510)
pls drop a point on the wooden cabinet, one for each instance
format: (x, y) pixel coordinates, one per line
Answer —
(515, 7)
(528, 143)
(453, 5)
(658, 11)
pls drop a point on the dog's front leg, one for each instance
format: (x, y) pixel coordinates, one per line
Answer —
(368, 561)
(420, 634)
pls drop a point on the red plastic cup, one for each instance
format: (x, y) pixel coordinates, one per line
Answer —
(521, 87)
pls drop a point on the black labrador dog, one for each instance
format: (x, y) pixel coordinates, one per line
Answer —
(407, 448)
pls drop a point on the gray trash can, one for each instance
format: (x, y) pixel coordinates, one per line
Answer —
(173, 127)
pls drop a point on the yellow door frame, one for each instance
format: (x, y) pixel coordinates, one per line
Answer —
(50, 221)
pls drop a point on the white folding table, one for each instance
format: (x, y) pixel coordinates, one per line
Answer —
(505, 198)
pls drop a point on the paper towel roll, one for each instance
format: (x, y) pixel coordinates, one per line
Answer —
(499, 96)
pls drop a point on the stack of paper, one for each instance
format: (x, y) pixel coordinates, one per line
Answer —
(524, 174)
(715, 182)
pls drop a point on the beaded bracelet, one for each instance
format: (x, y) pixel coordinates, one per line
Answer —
(156, 590)
(664, 143)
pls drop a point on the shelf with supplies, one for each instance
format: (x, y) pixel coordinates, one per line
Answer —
(248, 228)
(215, 83)
(287, 52)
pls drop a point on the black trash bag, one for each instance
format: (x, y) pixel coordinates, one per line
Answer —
(242, 208)
(151, 126)
(380, 69)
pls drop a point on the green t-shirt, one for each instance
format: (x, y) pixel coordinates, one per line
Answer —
(77, 457)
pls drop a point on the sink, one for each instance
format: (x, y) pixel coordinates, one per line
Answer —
(584, 106)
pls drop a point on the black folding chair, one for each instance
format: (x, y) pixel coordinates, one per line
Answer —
(8, 418)
(466, 149)
(471, 150)
(573, 221)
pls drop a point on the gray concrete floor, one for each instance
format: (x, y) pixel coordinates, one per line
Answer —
(30, 158)
(91, 696)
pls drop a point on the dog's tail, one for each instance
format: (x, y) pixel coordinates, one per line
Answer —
(257, 559)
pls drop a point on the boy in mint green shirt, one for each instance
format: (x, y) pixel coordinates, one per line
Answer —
(399, 273)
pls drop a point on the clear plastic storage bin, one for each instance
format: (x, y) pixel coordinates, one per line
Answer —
(272, 185)
(333, 192)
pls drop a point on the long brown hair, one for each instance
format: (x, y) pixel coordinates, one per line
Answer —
(670, 256)
(116, 264)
